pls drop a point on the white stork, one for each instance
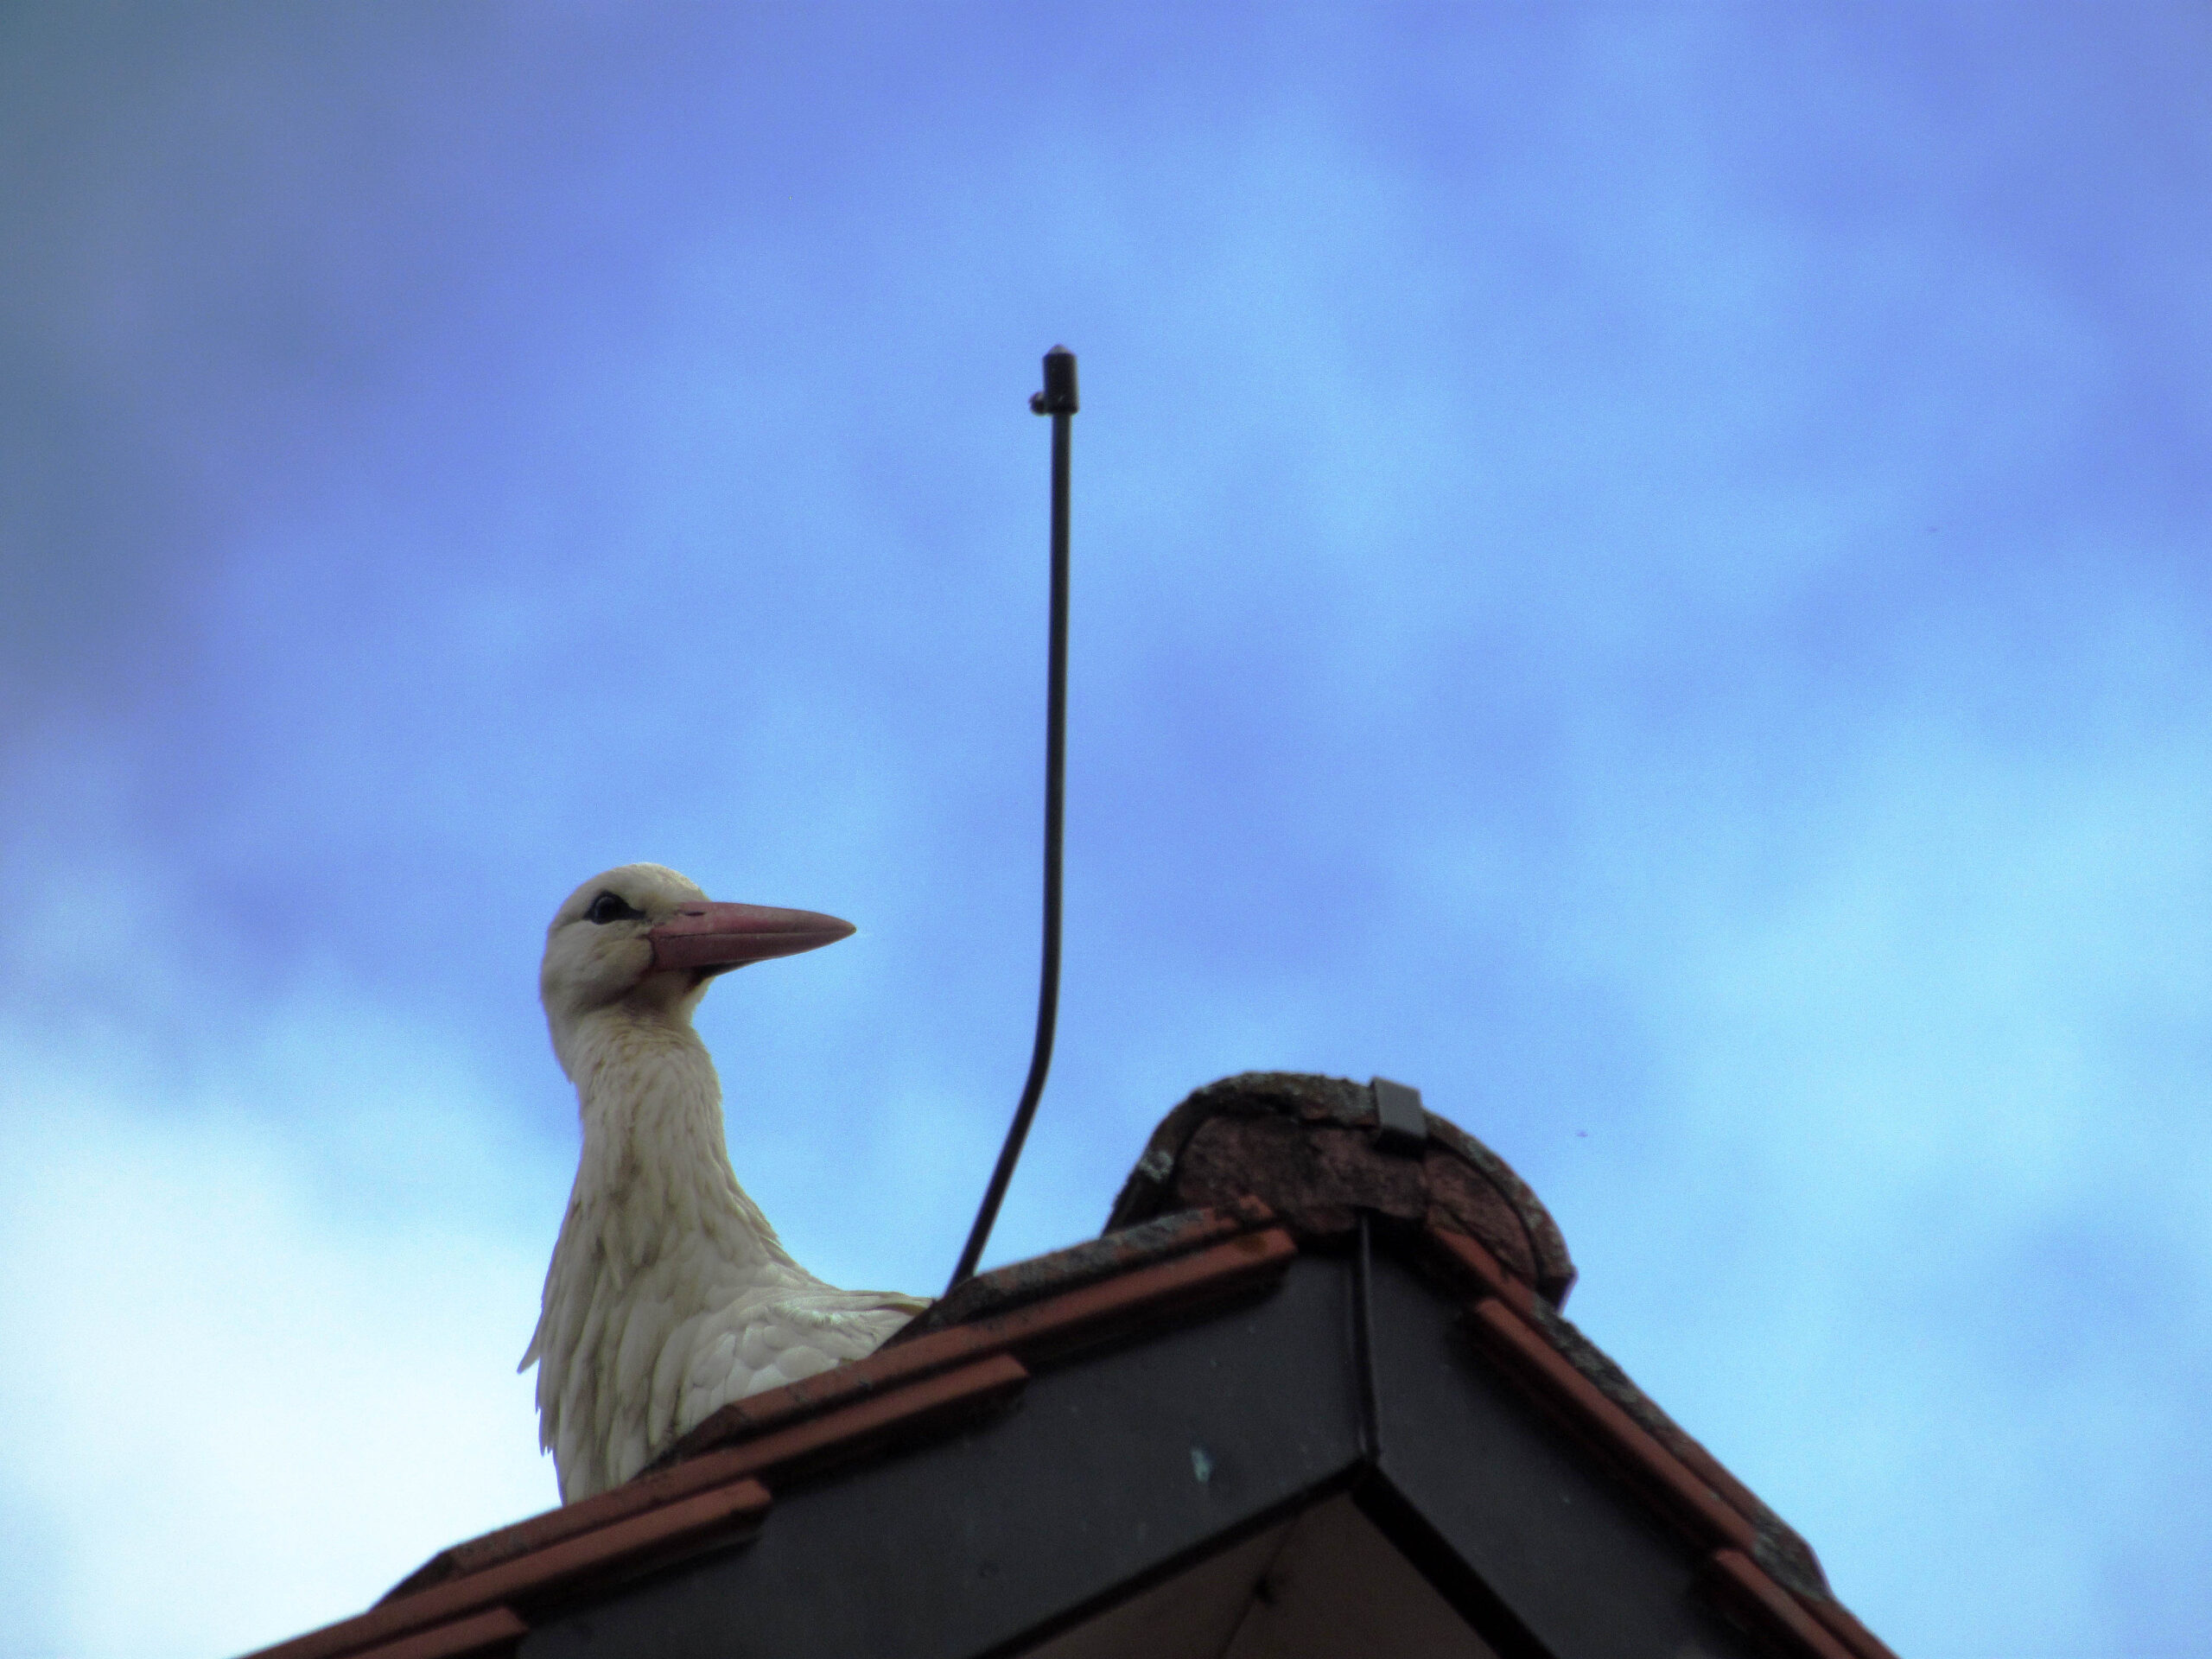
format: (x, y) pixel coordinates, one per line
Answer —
(668, 1292)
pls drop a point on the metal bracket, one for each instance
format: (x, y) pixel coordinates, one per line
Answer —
(1401, 1126)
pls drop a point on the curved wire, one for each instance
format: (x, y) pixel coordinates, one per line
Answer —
(1057, 400)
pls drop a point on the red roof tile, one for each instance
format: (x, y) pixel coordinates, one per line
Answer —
(723, 1512)
(480, 1635)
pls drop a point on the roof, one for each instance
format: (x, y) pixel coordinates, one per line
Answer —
(1312, 1385)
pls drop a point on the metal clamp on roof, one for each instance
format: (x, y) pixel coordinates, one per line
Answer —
(1401, 1126)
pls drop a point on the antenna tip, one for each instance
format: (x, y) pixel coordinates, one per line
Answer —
(1059, 397)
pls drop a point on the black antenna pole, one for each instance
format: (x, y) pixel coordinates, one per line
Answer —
(1058, 401)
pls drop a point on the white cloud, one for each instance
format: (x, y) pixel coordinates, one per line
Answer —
(237, 1407)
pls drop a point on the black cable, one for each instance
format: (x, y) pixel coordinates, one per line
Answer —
(1058, 400)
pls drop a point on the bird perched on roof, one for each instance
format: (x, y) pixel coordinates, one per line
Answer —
(668, 1293)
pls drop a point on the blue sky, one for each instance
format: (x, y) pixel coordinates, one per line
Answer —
(1642, 568)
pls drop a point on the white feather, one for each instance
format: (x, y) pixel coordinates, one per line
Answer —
(668, 1294)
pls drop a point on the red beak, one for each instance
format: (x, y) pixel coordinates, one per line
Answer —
(718, 937)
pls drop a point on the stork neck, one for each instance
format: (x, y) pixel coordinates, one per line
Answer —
(626, 1061)
(654, 1147)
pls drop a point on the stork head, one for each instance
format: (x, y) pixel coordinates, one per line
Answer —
(645, 938)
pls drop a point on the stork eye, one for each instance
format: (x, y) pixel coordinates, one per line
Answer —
(609, 907)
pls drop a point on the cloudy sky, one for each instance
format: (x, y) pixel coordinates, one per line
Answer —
(1641, 567)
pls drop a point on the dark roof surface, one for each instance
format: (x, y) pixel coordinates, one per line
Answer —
(1199, 1464)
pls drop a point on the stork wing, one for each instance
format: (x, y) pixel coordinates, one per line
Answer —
(752, 1348)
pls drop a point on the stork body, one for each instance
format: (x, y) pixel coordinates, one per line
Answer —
(668, 1294)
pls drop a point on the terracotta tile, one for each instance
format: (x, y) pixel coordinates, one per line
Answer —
(1003, 1288)
(733, 1510)
(1472, 1260)
(853, 1430)
(1736, 1582)
(1504, 1334)
(1219, 1269)
(1316, 1176)
(1468, 1258)
(480, 1635)
(1844, 1625)
(865, 1425)
(540, 1530)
